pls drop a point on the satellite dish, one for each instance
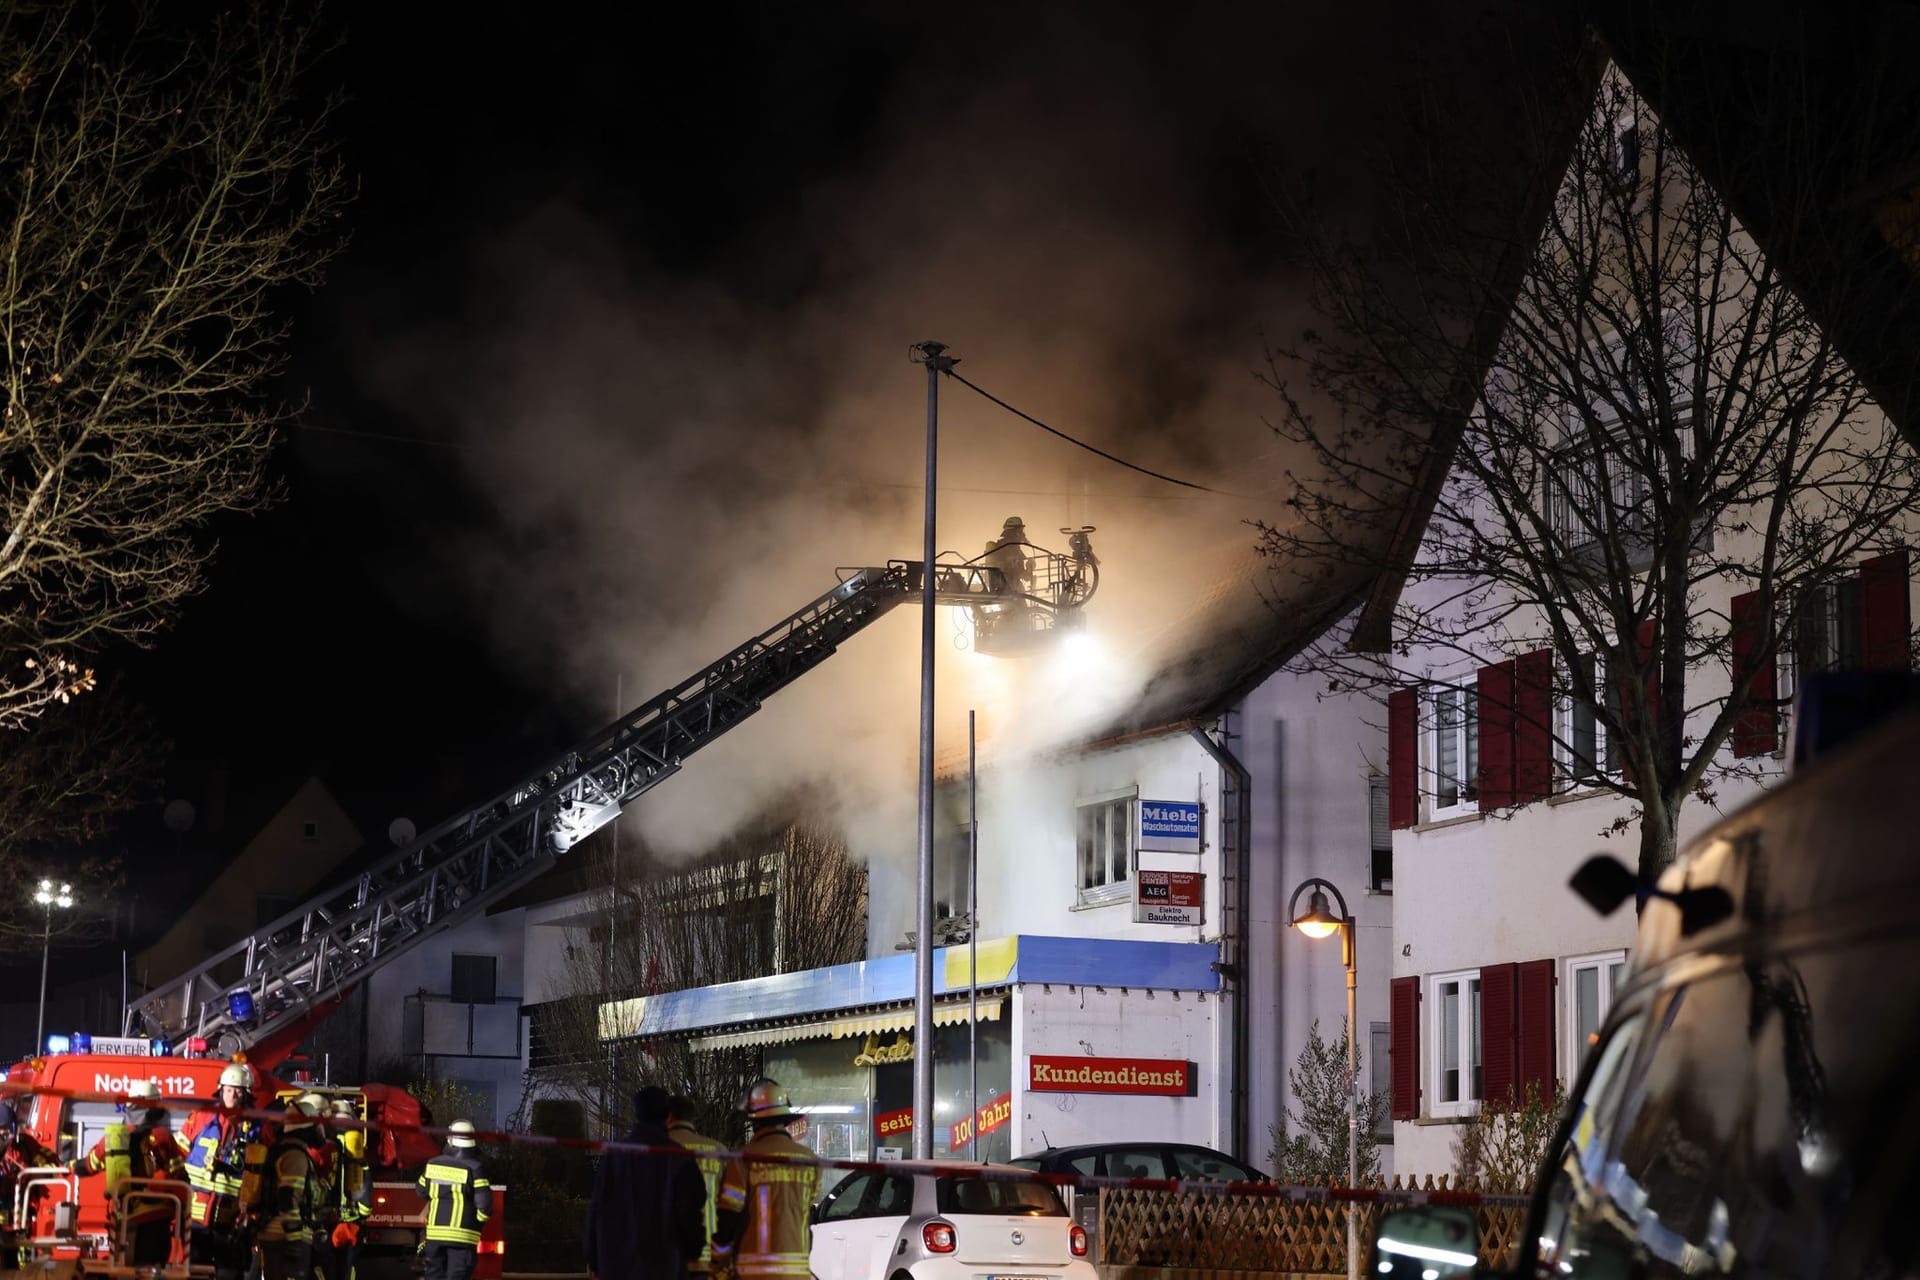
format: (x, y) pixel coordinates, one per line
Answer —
(178, 816)
(401, 832)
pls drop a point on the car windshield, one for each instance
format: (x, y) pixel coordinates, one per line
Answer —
(964, 1195)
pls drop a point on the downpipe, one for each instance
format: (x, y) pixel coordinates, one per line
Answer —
(1240, 978)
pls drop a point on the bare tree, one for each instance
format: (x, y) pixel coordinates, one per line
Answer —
(1657, 420)
(774, 901)
(64, 780)
(165, 188)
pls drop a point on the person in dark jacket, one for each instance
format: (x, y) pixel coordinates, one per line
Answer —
(648, 1212)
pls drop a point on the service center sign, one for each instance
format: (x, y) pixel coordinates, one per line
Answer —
(1170, 826)
(1169, 897)
(1160, 1077)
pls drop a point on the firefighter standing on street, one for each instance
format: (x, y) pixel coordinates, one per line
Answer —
(459, 1200)
(144, 1150)
(352, 1191)
(761, 1219)
(225, 1154)
(680, 1129)
(295, 1196)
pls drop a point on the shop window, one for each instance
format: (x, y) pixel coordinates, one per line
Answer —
(1589, 988)
(1104, 840)
(1455, 1085)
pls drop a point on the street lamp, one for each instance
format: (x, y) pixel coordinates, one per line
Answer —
(1318, 921)
(48, 895)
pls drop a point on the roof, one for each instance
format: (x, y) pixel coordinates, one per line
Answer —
(864, 984)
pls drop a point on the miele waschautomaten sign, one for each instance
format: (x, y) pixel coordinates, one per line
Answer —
(1169, 826)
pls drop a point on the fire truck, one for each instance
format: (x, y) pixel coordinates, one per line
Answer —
(64, 1219)
(261, 996)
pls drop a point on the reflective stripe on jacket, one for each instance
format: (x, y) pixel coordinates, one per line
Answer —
(710, 1169)
(134, 1153)
(459, 1198)
(776, 1198)
(222, 1152)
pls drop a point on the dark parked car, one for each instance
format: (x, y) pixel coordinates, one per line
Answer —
(1143, 1160)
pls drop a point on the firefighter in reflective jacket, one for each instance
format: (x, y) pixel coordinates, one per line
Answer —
(352, 1191)
(294, 1196)
(761, 1218)
(459, 1199)
(19, 1151)
(226, 1159)
(145, 1150)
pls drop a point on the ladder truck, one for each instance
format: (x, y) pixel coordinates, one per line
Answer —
(261, 996)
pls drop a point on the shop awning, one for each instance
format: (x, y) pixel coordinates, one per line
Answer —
(851, 1026)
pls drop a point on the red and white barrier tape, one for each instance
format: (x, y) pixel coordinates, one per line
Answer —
(1263, 1190)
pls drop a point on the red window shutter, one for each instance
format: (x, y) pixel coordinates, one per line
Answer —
(1886, 621)
(1404, 1046)
(1495, 690)
(1403, 759)
(1756, 732)
(1534, 1036)
(1533, 726)
(1499, 1050)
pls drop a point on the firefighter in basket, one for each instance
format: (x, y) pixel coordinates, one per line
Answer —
(145, 1149)
(226, 1159)
(761, 1219)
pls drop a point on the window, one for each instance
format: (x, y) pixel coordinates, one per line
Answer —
(1201, 1165)
(1380, 1073)
(309, 830)
(1136, 1162)
(474, 979)
(1455, 1087)
(1380, 877)
(961, 1196)
(1590, 752)
(1826, 630)
(1104, 836)
(848, 1199)
(1589, 987)
(1586, 484)
(1456, 753)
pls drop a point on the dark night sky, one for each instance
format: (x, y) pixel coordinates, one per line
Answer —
(331, 638)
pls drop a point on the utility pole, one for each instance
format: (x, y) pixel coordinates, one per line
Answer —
(931, 355)
(973, 944)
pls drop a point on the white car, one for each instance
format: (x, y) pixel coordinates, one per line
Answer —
(947, 1225)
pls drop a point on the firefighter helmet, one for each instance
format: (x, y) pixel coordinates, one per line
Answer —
(142, 1089)
(344, 1109)
(460, 1134)
(302, 1110)
(237, 1074)
(766, 1100)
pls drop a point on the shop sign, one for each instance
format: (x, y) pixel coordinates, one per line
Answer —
(1161, 1077)
(1170, 826)
(1169, 897)
(892, 1124)
(991, 1117)
(875, 1054)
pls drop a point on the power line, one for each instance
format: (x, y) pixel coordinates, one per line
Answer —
(1095, 449)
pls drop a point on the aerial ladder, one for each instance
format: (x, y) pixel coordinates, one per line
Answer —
(272, 984)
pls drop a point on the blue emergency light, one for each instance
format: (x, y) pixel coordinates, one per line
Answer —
(161, 1048)
(240, 1005)
(59, 1044)
(82, 1042)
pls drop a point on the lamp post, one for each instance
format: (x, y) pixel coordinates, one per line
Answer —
(931, 355)
(49, 896)
(1317, 921)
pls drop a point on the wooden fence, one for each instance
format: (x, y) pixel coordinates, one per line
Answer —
(1198, 1233)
